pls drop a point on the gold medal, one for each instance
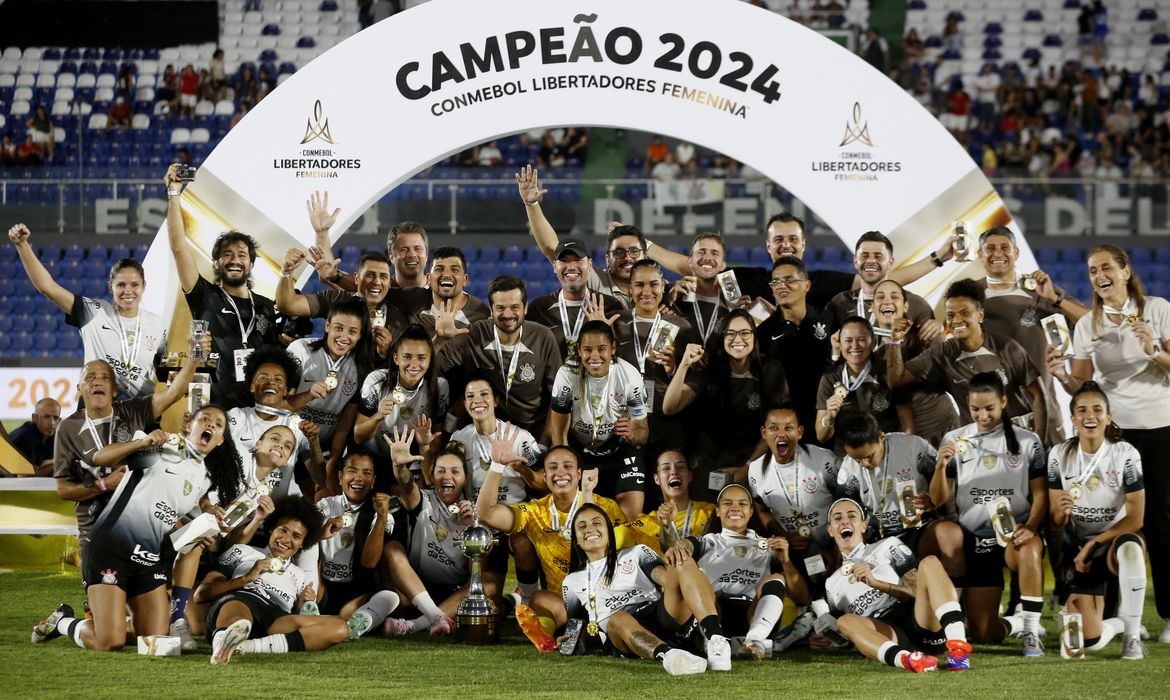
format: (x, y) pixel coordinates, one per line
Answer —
(453, 509)
(1028, 283)
(399, 395)
(762, 544)
(276, 565)
(379, 317)
(847, 571)
(331, 380)
(962, 444)
(804, 531)
(263, 489)
(1093, 482)
(1076, 492)
(840, 390)
(592, 628)
(1132, 319)
(347, 519)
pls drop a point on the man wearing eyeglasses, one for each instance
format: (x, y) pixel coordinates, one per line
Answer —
(797, 335)
(624, 246)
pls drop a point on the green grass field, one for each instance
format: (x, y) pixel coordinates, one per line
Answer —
(423, 668)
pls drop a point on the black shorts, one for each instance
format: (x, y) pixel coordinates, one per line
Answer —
(440, 591)
(1091, 582)
(497, 559)
(733, 614)
(620, 472)
(264, 614)
(911, 634)
(657, 621)
(338, 594)
(985, 562)
(109, 565)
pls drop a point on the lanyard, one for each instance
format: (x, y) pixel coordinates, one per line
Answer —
(640, 352)
(511, 373)
(128, 354)
(555, 515)
(570, 335)
(483, 442)
(92, 428)
(704, 330)
(881, 471)
(278, 412)
(861, 306)
(598, 413)
(245, 332)
(794, 506)
(852, 386)
(1085, 474)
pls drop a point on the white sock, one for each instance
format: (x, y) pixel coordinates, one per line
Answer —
(769, 610)
(423, 603)
(1109, 629)
(1031, 618)
(954, 629)
(883, 653)
(63, 626)
(380, 605)
(527, 590)
(419, 623)
(272, 644)
(1131, 575)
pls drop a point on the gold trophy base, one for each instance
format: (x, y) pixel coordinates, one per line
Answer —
(476, 629)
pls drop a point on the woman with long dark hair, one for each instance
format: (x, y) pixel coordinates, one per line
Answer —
(637, 605)
(731, 396)
(858, 382)
(994, 472)
(1125, 344)
(169, 476)
(1097, 499)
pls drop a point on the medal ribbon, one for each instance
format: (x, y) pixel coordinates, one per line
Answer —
(640, 352)
(128, 354)
(499, 348)
(601, 404)
(555, 515)
(852, 386)
(571, 335)
(704, 330)
(245, 332)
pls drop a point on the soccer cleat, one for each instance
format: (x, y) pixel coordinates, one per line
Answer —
(396, 627)
(1164, 638)
(180, 629)
(1032, 645)
(798, 630)
(718, 653)
(918, 662)
(226, 640)
(1132, 649)
(753, 649)
(678, 662)
(958, 655)
(359, 623)
(442, 626)
(46, 629)
(530, 625)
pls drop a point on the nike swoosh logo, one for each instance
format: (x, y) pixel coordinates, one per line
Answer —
(777, 337)
(168, 471)
(226, 310)
(106, 327)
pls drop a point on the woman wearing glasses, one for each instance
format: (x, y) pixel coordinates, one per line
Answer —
(737, 389)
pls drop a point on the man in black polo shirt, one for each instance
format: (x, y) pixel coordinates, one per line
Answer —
(565, 311)
(797, 334)
(34, 439)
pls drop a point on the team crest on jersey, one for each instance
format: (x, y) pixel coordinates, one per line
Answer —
(1028, 318)
(1014, 461)
(904, 474)
(880, 403)
(122, 434)
(187, 487)
(110, 577)
(262, 324)
(627, 567)
(820, 330)
(349, 387)
(527, 372)
(740, 550)
(811, 484)
(1112, 479)
(753, 402)
(346, 540)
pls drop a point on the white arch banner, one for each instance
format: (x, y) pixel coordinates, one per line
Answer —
(427, 83)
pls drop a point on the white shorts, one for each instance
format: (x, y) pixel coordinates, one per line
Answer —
(39, 137)
(188, 100)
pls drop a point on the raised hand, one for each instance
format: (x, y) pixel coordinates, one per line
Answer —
(399, 442)
(693, 353)
(528, 183)
(445, 314)
(422, 431)
(595, 311)
(19, 234)
(319, 215)
(293, 257)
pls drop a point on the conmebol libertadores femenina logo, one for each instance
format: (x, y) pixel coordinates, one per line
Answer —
(857, 163)
(313, 160)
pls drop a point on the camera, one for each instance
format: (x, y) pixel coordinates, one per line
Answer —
(185, 173)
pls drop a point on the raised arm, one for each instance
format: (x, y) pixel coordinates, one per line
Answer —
(116, 452)
(675, 262)
(37, 274)
(919, 269)
(287, 299)
(528, 183)
(940, 483)
(678, 395)
(491, 512)
(177, 233)
(400, 456)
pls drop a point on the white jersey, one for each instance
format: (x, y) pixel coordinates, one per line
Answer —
(247, 426)
(985, 472)
(588, 596)
(132, 346)
(281, 590)
(315, 366)
(908, 458)
(889, 560)
(1103, 480)
(162, 485)
(377, 387)
(734, 564)
(798, 493)
(276, 484)
(594, 409)
(433, 551)
(479, 452)
(337, 555)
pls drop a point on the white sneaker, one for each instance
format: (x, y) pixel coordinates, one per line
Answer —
(226, 640)
(396, 627)
(180, 629)
(359, 623)
(678, 662)
(1164, 638)
(719, 653)
(798, 630)
(1132, 649)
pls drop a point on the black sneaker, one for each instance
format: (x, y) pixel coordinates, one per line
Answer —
(47, 628)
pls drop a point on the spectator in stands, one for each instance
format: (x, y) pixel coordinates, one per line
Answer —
(365, 13)
(666, 170)
(34, 439)
(796, 13)
(264, 84)
(126, 80)
(958, 109)
(552, 153)
(40, 128)
(987, 85)
(488, 155)
(836, 14)
(953, 33)
(576, 143)
(119, 115)
(217, 75)
(875, 50)
(686, 157)
(168, 89)
(912, 47)
(656, 152)
(188, 90)
(8, 155)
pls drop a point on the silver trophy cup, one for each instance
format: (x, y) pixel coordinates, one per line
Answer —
(475, 619)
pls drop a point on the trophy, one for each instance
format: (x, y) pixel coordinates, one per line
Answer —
(475, 619)
(198, 332)
(1072, 636)
(959, 228)
(729, 286)
(906, 495)
(1002, 520)
(238, 511)
(198, 392)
